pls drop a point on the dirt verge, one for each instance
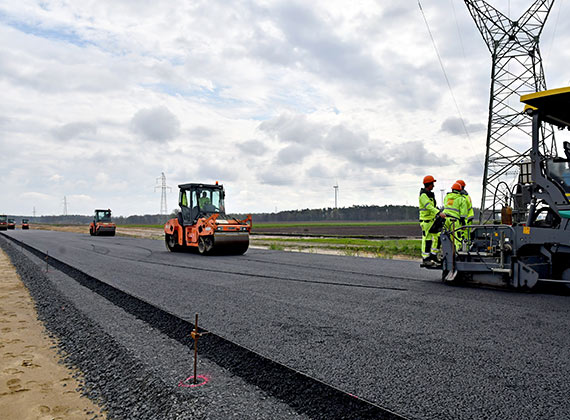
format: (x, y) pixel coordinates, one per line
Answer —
(33, 385)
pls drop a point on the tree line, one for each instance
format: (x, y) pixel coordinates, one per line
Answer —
(353, 213)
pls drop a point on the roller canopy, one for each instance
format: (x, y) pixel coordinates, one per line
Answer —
(554, 105)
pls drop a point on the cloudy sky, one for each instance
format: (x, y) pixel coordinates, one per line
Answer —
(277, 100)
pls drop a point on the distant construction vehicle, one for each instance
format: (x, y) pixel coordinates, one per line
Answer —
(25, 224)
(531, 244)
(202, 223)
(102, 225)
(3, 222)
(12, 224)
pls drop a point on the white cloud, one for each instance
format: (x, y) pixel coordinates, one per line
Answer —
(456, 126)
(35, 195)
(294, 153)
(156, 124)
(74, 131)
(253, 148)
(276, 177)
(272, 98)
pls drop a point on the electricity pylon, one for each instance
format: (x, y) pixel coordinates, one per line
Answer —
(163, 187)
(516, 70)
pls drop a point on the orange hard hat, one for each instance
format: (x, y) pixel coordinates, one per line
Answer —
(457, 186)
(461, 182)
(428, 179)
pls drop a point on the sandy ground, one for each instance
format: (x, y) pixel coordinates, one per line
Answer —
(33, 384)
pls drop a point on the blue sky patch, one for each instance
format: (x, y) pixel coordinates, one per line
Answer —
(60, 34)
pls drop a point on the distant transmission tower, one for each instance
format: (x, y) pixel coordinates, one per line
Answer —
(163, 187)
(34, 211)
(516, 70)
(65, 205)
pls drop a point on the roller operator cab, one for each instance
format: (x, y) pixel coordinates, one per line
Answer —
(3, 222)
(202, 223)
(12, 224)
(102, 225)
(531, 243)
(25, 224)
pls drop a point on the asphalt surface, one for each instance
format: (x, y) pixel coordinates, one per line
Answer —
(383, 330)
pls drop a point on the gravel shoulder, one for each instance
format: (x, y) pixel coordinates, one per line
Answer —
(33, 382)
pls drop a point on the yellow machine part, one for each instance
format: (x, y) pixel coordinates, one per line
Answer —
(553, 104)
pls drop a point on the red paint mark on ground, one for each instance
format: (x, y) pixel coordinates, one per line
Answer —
(188, 382)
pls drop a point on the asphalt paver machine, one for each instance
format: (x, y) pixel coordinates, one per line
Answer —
(202, 223)
(536, 248)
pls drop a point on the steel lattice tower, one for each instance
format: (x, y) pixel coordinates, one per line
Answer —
(163, 187)
(516, 70)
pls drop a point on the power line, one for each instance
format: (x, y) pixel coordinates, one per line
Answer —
(458, 30)
(554, 31)
(445, 74)
(447, 79)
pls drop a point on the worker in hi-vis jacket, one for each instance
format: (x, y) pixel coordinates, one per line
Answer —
(456, 207)
(470, 211)
(431, 222)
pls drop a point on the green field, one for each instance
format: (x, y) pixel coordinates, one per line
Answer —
(299, 224)
(384, 248)
(327, 224)
(349, 246)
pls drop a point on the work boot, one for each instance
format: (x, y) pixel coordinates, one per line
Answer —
(427, 262)
(435, 259)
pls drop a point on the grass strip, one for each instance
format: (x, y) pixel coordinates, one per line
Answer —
(408, 247)
(328, 224)
(298, 224)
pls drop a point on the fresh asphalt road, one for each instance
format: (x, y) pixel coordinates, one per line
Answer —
(384, 330)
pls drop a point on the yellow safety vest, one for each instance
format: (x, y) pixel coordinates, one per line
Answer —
(428, 209)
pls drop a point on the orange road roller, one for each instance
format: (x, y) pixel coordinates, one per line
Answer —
(202, 223)
(102, 225)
